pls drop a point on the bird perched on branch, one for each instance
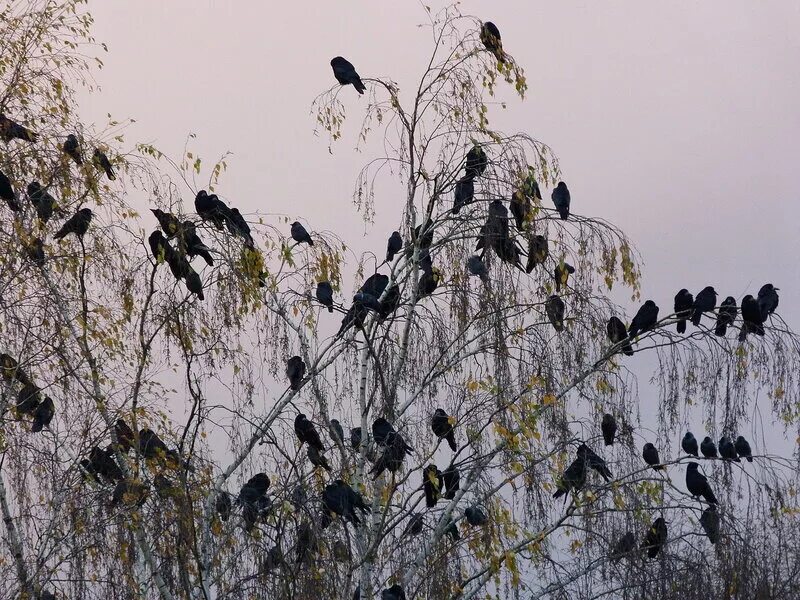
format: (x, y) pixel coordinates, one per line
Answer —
(72, 149)
(307, 433)
(442, 426)
(684, 301)
(101, 161)
(77, 224)
(616, 331)
(490, 38)
(561, 199)
(345, 74)
(11, 130)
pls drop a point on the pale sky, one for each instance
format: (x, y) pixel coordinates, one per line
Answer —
(679, 121)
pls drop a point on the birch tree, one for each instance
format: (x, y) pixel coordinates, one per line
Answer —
(207, 491)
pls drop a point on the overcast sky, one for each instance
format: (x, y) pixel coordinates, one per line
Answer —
(678, 121)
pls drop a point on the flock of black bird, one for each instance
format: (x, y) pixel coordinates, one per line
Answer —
(574, 476)
(177, 243)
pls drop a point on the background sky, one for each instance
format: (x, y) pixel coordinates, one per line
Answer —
(679, 122)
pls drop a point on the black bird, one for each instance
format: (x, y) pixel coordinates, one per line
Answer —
(650, 455)
(8, 194)
(101, 160)
(464, 193)
(594, 461)
(727, 450)
(372, 289)
(42, 201)
(126, 439)
(477, 267)
(368, 301)
(392, 457)
(169, 223)
(708, 448)
(415, 524)
(345, 73)
(337, 433)
(726, 315)
(307, 433)
(165, 487)
(655, 538)
(341, 499)
(300, 235)
(28, 399)
(490, 38)
(77, 224)
(35, 251)
(609, 429)
(573, 478)
(10, 369)
(10, 130)
(211, 208)
(537, 252)
(237, 225)
(390, 301)
(254, 489)
(295, 371)
(432, 485)
(159, 246)
(150, 445)
(384, 434)
(475, 516)
(129, 493)
(194, 284)
(742, 448)
(317, 458)
(393, 593)
(521, 209)
(452, 481)
(382, 431)
(452, 531)
(767, 300)
(193, 245)
(440, 423)
(684, 302)
(689, 444)
(624, 546)
(554, 307)
(561, 274)
(752, 319)
(617, 333)
(476, 162)
(495, 233)
(428, 282)
(103, 464)
(698, 485)
(177, 262)
(72, 149)
(355, 438)
(46, 410)
(561, 199)
(705, 301)
(645, 319)
(324, 294)
(393, 246)
(709, 520)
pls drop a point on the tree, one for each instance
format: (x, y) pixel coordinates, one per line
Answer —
(110, 325)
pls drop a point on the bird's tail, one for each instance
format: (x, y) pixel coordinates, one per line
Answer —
(359, 85)
(696, 317)
(682, 326)
(451, 439)
(721, 329)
